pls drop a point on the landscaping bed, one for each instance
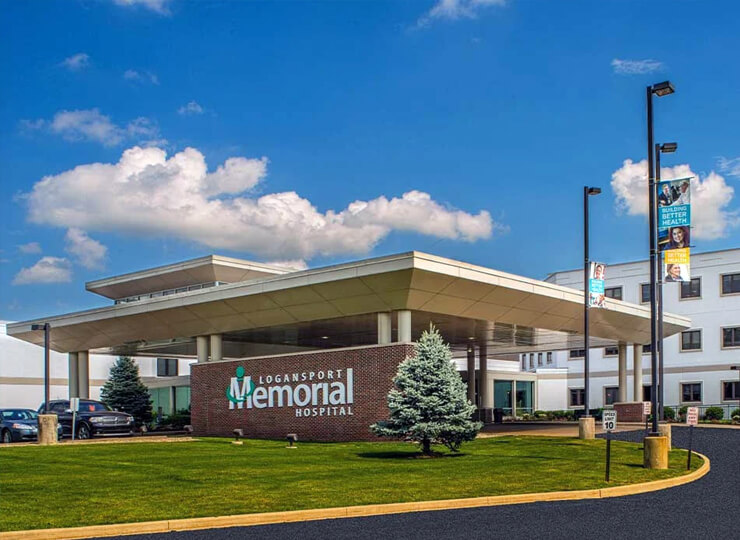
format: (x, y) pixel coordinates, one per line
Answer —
(70, 485)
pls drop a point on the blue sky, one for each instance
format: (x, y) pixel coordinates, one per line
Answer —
(464, 128)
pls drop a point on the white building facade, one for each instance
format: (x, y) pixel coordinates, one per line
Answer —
(700, 364)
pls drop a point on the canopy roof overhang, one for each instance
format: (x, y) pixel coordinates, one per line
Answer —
(353, 291)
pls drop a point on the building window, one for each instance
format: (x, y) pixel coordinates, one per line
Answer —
(611, 395)
(539, 359)
(690, 392)
(531, 360)
(731, 391)
(691, 289)
(731, 284)
(166, 367)
(645, 293)
(613, 292)
(647, 348)
(611, 351)
(691, 340)
(647, 392)
(731, 337)
(576, 397)
(524, 362)
(549, 358)
(577, 353)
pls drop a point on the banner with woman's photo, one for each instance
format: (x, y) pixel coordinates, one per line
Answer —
(674, 227)
(597, 274)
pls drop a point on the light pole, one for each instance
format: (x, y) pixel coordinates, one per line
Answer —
(587, 191)
(666, 148)
(661, 89)
(45, 327)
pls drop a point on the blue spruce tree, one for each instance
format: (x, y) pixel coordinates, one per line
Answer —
(428, 403)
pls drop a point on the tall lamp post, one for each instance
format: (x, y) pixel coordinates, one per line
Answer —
(587, 191)
(666, 148)
(45, 327)
(661, 89)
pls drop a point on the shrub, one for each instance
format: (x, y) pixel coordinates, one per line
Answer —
(669, 413)
(682, 413)
(734, 413)
(541, 415)
(714, 413)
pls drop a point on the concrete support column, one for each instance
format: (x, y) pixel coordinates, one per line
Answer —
(404, 326)
(384, 328)
(216, 348)
(73, 377)
(83, 374)
(637, 372)
(471, 373)
(622, 372)
(486, 402)
(201, 345)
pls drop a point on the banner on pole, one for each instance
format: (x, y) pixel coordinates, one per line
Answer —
(674, 228)
(597, 273)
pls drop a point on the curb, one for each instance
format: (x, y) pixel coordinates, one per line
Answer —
(267, 518)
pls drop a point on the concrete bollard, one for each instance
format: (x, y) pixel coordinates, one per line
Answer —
(48, 428)
(586, 428)
(664, 430)
(656, 452)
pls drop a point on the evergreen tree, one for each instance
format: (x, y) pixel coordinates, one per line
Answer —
(428, 403)
(125, 392)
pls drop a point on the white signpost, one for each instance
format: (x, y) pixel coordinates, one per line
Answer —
(609, 423)
(609, 420)
(692, 418)
(74, 405)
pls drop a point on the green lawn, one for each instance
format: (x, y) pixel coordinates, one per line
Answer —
(64, 486)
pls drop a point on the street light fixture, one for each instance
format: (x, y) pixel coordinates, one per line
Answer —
(665, 148)
(46, 327)
(587, 191)
(661, 89)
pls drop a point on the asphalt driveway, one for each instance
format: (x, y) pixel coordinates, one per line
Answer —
(707, 508)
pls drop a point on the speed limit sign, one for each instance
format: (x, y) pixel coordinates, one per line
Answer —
(609, 420)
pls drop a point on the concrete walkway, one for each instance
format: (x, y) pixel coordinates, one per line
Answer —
(545, 429)
(706, 508)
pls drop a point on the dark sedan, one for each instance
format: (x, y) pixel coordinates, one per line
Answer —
(93, 418)
(20, 425)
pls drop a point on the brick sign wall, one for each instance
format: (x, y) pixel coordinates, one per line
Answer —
(331, 395)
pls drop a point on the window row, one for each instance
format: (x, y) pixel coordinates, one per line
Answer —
(729, 284)
(691, 340)
(168, 292)
(531, 357)
(691, 392)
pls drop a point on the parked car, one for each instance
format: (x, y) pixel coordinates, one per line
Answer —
(20, 425)
(93, 418)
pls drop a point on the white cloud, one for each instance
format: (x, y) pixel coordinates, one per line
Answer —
(731, 167)
(710, 197)
(93, 126)
(147, 194)
(140, 76)
(32, 248)
(190, 108)
(636, 67)
(456, 9)
(86, 251)
(46, 270)
(76, 62)
(158, 6)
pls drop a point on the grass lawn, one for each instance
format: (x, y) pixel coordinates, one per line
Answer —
(74, 485)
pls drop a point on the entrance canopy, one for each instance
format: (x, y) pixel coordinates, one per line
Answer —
(337, 306)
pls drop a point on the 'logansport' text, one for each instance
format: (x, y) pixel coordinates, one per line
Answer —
(311, 393)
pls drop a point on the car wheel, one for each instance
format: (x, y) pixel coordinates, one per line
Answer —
(7, 437)
(83, 432)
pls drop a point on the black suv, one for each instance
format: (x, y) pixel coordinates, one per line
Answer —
(93, 418)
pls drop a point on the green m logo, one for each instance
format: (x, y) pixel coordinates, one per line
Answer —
(241, 388)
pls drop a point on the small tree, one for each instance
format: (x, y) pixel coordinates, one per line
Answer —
(428, 403)
(124, 391)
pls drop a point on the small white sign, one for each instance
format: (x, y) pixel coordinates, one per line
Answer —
(74, 404)
(647, 407)
(692, 416)
(609, 420)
